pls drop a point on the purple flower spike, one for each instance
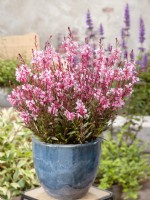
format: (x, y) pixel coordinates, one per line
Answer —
(125, 54)
(145, 60)
(127, 16)
(142, 49)
(122, 33)
(101, 30)
(124, 44)
(141, 31)
(109, 48)
(89, 21)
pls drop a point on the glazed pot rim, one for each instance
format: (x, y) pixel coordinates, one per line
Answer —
(36, 140)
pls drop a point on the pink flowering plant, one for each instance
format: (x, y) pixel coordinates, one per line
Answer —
(69, 98)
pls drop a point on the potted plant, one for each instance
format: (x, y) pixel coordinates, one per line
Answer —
(67, 101)
(123, 165)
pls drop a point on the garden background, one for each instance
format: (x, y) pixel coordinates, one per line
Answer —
(48, 17)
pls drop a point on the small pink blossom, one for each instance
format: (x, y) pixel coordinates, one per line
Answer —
(128, 89)
(17, 97)
(118, 103)
(69, 115)
(104, 102)
(27, 87)
(30, 104)
(80, 109)
(53, 109)
(22, 73)
(25, 117)
(115, 54)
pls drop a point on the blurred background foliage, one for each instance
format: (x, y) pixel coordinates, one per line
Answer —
(7, 72)
(16, 163)
(122, 163)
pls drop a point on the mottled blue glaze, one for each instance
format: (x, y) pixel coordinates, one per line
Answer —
(66, 171)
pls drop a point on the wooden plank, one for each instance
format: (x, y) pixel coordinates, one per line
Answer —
(11, 46)
(93, 194)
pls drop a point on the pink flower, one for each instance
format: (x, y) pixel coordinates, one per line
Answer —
(118, 103)
(25, 117)
(80, 109)
(128, 89)
(53, 109)
(38, 57)
(30, 104)
(17, 97)
(69, 115)
(22, 73)
(115, 54)
(104, 102)
(26, 87)
(12, 100)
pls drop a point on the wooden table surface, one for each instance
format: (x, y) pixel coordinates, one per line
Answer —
(93, 194)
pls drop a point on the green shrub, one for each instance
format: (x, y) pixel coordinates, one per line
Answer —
(123, 163)
(145, 76)
(139, 102)
(16, 163)
(7, 72)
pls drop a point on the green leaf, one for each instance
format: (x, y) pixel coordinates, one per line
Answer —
(21, 183)
(54, 138)
(15, 185)
(16, 174)
(4, 190)
(21, 163)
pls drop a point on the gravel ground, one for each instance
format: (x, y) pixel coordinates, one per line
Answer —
(145, 191)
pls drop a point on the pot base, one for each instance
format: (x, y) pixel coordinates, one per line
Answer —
(67, 193)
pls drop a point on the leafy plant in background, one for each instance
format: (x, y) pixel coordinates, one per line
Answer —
(139, 102)
(123, 162)
(7, 72)
(16, 163)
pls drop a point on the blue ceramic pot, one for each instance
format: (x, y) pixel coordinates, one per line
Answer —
(66, 171)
